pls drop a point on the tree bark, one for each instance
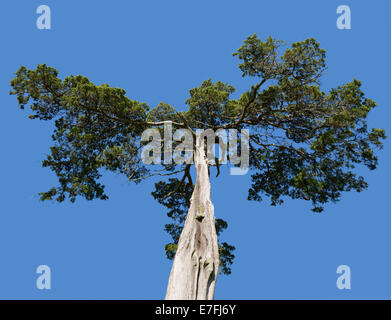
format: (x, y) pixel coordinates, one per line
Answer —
(196, 264)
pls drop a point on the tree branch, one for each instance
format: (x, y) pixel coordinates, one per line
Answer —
(158, 174)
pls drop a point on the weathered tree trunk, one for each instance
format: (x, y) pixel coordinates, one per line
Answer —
(196, 264)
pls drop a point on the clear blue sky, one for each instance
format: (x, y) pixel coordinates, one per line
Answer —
(157, 51)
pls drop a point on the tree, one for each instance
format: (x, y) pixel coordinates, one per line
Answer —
(304, 144)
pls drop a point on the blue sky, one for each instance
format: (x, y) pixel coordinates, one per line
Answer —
(157, 51)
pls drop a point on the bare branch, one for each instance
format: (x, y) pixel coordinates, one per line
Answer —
(158, 174)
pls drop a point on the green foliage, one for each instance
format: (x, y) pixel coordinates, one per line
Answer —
(209, 105)
(259, 58)
(304, 142)
(94, 128)
(163, 112)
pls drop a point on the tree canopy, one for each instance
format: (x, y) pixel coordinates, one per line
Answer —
(304, 142)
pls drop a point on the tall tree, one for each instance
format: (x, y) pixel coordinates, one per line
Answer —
(304, 144)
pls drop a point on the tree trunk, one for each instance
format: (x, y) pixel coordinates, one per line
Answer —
(196, 264)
